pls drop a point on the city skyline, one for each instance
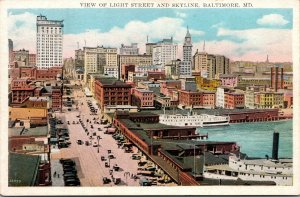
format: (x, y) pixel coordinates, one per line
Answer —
(230, 33)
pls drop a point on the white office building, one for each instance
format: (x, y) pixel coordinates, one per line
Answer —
(220, 102)
(129, 50)
(164, 52)
(49, 42)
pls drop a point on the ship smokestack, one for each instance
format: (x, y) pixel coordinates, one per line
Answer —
(275, 145)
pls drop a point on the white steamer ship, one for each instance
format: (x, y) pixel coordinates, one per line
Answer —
(202, 120)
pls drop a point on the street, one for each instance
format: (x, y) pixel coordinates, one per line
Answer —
(91, 169)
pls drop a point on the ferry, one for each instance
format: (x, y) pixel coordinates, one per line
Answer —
(278, 171)
(195, 120)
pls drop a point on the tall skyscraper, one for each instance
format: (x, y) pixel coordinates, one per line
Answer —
(186, 64)
(49, 35)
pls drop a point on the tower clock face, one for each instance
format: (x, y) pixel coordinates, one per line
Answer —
(188, 39)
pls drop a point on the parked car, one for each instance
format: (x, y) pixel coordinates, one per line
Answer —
(87, 143)
(117, 181)
(95, 144)
(106, 165)
(106, 180)
(103, 158)
(99, 129)
(80, 142)
(72, 182)
(116, 167)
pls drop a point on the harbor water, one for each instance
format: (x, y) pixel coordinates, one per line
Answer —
(255, 139)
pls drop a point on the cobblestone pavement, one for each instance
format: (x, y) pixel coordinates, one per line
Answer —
(91, 169)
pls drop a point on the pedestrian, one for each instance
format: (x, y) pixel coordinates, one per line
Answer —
(57, 175)
(54, 174)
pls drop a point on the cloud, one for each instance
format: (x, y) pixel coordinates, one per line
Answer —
(181, 14)
(221, 24)
(249, 44)
(22, 30)
(133, 32)
(272, 20)
(253, 44)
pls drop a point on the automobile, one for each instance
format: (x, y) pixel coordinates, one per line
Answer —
(72, 182)
(94, 134)
(108, 151)
(68, 122)
(70, 165)
(78, 116)
(103, 158)
(117, 181)
(70, 170)
(111, 156)
(106, 165)
(92, 127)
(142, 163)
(86, 130)
(128, 150)
(116, 167)
(65, 160)
(59, 122)
(106, 180)
(99, 129)
(69, 109)
(87, 143)
(73, 122)
(80, 142)
(63, 145)
(95, 144)
(68, 176)
(136, 157)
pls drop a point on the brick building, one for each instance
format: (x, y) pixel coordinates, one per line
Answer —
(142, 98)
(154, 76)
(109, 91)
(51, 73)
(195, 99)
(190, 99)
(229, 80)
(233, 100)
(56, 95)
(125, 69)
(167, 84)
(22, 89)
(32, 60)
(34, 73)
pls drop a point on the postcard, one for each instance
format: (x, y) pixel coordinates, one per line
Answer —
(149, 97)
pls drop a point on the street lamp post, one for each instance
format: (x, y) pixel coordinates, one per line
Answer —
(98, 138)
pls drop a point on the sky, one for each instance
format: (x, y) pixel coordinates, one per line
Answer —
(240, 34)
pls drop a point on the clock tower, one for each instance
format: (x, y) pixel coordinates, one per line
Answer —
(187, 47)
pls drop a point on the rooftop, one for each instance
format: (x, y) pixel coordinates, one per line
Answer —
(22, 131)
(112, 82)
(22, 169)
